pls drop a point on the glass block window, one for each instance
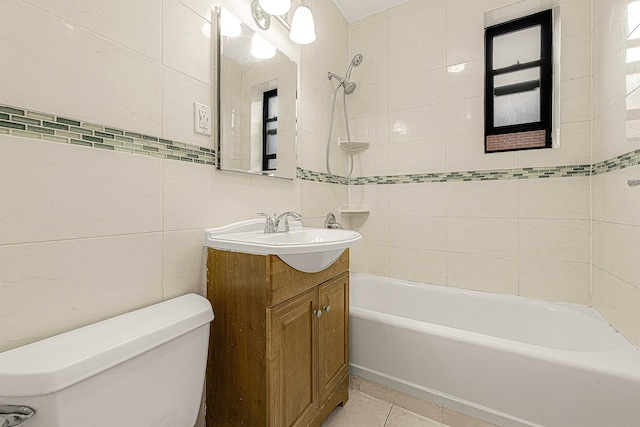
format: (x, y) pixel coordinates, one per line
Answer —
(518, 84)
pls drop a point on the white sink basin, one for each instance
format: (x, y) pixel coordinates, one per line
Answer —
(305, 249)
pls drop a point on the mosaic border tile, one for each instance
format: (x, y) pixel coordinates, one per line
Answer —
(32, 124)
(620, 162)
(308, 175)
(49, 127)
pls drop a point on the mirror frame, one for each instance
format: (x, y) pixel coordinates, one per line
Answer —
(291, 171)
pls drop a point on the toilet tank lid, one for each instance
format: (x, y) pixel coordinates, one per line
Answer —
(55, 363)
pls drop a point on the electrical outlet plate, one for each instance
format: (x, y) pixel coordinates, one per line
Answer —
(201, 118)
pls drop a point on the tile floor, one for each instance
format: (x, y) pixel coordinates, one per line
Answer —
(363, 410)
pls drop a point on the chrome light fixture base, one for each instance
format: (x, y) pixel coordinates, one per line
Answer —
(262, 18)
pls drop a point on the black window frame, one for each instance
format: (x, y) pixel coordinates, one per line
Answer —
(545, 20)
(265, 120)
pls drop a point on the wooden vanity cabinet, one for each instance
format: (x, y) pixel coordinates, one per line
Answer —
(279, 343)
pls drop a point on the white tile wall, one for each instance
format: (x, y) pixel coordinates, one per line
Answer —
(108, 20)
(76, 72)
(88, 234)
(58, 191)
(420, 110)
(498, 236)
(616, 213)
(50, 287)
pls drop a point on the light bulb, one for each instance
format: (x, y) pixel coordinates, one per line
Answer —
(275, 7)
(260, 48)
(303, 30)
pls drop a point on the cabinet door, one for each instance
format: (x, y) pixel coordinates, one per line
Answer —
(334, 334)
(293, 367)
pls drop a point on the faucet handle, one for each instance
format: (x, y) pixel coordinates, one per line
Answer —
(268, 225)
(331, 223)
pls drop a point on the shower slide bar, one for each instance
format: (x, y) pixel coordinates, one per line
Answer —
(633, 182)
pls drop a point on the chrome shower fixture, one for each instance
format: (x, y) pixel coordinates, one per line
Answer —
(349, 87)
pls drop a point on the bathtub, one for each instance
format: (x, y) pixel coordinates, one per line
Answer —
(508, 360)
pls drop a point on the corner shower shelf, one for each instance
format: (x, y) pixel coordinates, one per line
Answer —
(355, 145)
(354, 209)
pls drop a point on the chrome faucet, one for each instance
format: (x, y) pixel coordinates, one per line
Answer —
(286, 216)
(268, 225)
(330, 222)
(272, 225)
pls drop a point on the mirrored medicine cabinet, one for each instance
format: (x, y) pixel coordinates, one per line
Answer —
(257, 102)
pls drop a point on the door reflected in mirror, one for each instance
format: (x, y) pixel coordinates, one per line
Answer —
(257, 102)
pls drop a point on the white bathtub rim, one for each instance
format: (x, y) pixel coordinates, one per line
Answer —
(616, 341)
(587, 361)
(433, 396)
(577, 308)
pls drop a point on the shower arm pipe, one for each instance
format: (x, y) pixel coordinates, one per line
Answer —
(633, 182)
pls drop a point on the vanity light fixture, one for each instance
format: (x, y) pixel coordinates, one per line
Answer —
(302, 28)
(275, 7)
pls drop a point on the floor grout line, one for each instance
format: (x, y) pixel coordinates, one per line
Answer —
(388, 415)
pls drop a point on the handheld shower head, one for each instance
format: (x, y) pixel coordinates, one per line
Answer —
(357, 60)
(349, 87)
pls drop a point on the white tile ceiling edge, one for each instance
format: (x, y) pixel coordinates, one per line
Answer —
(357, 9)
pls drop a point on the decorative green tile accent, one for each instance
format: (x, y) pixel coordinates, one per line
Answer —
(123, 138)
(67, 121)
(93, 127)
(25, 120)
(33, 124)
(24, 134)
(617, 163)
(54, 125)
(104, 146)
(103, 135)
(620, 162)
(38, 129)
(11, 110)
(113, 131)
(80, 130)
(41, 116)
(92, 139)
(12, 125)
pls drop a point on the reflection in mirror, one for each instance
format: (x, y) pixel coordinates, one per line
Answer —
(257, 102)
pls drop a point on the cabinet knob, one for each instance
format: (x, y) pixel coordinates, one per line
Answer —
(327, 308)
(318, 313)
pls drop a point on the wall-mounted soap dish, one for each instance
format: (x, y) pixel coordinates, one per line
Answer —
(354, 209)
(355, 145)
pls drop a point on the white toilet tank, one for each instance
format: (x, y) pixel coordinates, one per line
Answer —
(143, 368)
